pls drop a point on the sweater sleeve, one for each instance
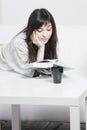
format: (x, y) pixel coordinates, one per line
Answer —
(17, 57)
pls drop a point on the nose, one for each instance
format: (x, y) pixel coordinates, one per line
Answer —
(45, 33)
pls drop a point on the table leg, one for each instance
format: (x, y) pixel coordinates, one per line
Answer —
(74, 118)
(86, 111)
(16, 121)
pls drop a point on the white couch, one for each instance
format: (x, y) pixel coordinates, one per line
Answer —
(72, 51)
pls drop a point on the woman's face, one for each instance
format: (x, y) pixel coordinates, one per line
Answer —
(44, 33)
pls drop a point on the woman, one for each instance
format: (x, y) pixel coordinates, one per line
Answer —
(37, 41)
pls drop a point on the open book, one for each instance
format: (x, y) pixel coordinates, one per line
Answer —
(49, 63)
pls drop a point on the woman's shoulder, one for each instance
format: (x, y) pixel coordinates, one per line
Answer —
(18, 41)
(19, 36)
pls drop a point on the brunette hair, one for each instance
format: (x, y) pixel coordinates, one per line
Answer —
(38, 18)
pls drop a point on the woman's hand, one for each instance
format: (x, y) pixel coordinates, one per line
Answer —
(39, 44)
(36, 41)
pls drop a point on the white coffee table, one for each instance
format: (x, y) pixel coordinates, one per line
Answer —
(43, 91)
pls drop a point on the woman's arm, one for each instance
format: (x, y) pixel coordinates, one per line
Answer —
(40, 53)
(39, 44)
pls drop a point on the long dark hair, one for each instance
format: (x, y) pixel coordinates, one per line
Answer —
(37, 18)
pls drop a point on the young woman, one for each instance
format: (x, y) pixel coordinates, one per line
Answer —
(37, 41)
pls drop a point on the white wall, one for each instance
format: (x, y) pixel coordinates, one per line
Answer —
(65, 12)
(0, 12)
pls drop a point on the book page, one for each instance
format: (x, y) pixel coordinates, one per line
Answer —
(48, 63)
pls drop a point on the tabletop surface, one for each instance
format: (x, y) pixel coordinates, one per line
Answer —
(42, 90)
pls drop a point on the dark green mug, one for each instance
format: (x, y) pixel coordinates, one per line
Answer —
(57, 72)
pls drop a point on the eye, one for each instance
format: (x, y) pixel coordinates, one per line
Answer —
(49, 29)
(39, 30)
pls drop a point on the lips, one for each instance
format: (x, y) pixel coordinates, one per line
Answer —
(44, 39)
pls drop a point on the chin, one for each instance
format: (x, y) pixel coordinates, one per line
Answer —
(45, 42)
